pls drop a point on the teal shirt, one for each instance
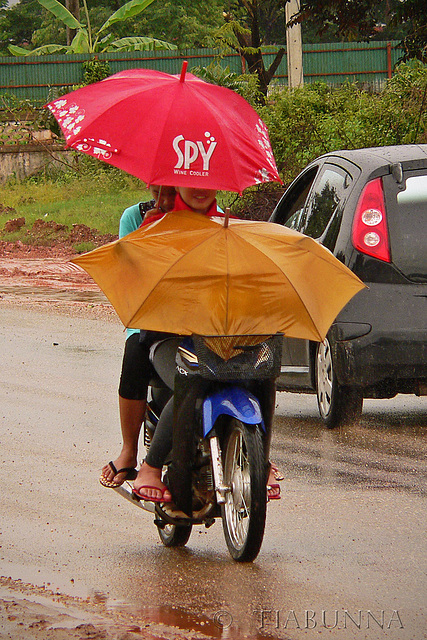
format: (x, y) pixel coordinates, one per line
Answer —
(131, 219)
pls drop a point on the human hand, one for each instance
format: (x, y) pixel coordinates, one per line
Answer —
(152, 212)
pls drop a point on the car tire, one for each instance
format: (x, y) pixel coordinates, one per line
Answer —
(338, 404)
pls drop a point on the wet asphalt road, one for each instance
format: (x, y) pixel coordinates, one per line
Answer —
(344, 555)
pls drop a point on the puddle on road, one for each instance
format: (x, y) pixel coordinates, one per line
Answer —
(49, 294)
(219, 625)
(37, 584)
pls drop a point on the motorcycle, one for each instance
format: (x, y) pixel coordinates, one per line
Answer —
(223, 392)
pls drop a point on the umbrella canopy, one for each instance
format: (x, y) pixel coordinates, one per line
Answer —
(187, 273)
(169, 129)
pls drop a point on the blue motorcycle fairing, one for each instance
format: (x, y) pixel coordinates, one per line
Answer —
(232, 401)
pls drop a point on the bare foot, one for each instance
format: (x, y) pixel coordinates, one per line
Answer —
(273, 489)
(124, 461)
(278, 475)
(148, 484)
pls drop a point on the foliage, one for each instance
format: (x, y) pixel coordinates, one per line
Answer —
(241, 33)
(258, 202)
(414, 43)
(18, 22)
(303, 124)
(20, 118)
(245, 85)
(87, 40)
(186, 23)
(95, 70)
(315, 119)
(364, 19)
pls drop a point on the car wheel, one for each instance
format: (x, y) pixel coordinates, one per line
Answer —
(337, 404)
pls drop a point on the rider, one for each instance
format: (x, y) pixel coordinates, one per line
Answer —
(148, 484)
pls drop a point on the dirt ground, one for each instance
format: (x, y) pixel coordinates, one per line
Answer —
(41, 266)
(35, 613)
(28, 612)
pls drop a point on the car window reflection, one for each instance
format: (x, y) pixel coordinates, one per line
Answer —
(322, 212)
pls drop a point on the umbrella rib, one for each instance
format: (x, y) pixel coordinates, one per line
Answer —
(207, 104)
(160, 140)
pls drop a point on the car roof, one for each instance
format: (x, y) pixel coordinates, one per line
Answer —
(373, 158)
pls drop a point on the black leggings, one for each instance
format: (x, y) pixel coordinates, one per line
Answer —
(136, 369)
(161, 442)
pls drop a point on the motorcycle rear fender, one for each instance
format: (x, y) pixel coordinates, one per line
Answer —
(232, 401)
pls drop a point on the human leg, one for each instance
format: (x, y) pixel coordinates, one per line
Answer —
(132, 403)
(131, 416)
(148, 480)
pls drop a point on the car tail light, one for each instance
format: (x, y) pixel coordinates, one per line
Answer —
(370, 233)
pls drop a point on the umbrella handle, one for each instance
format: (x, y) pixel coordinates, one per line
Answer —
(226, 216)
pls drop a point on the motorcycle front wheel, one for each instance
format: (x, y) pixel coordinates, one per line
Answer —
(244, 510)
(174, 535)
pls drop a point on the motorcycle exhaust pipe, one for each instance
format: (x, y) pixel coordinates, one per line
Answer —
(125, 490)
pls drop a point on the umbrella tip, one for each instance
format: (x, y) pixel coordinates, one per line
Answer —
(183, 70)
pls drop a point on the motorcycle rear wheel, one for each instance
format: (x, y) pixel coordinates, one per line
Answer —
(244, 511)
(174, 535)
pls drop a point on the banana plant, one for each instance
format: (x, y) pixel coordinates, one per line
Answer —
(88, 41)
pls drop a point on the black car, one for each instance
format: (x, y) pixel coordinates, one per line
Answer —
(369, 207)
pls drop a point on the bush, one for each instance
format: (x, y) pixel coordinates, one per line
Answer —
(316, 119)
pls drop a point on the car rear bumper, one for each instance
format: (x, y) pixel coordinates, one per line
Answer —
(381, 358)
(381, 335)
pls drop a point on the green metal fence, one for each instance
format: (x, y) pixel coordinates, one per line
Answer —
(36, 77)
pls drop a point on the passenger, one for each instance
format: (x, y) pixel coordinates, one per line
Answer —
(136, 367)
(148, 484)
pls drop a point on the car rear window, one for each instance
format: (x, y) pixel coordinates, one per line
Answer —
(407, 220)
(321, 215)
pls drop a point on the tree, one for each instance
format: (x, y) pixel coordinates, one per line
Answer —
(88, 41)
(364, 19)
(186, 23)
(414, 43)
(242, 33)
(18, 22)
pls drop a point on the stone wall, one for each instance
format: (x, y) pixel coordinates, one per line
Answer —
(23, 161)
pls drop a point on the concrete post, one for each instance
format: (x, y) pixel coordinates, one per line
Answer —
(294, 47)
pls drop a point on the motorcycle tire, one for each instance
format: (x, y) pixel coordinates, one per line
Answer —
(244, 511)
(174, 535)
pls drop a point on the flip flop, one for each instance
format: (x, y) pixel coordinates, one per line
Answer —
(131, 474)
(142, 496)
(276, 496)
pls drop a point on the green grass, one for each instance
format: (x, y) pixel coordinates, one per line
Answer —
(74, 202)
(96, 197)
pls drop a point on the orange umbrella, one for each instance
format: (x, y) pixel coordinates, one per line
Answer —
(187, 273)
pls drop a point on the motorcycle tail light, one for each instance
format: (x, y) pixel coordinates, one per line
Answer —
(370, 232)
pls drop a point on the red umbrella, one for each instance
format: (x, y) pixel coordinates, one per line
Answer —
(169, 129)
